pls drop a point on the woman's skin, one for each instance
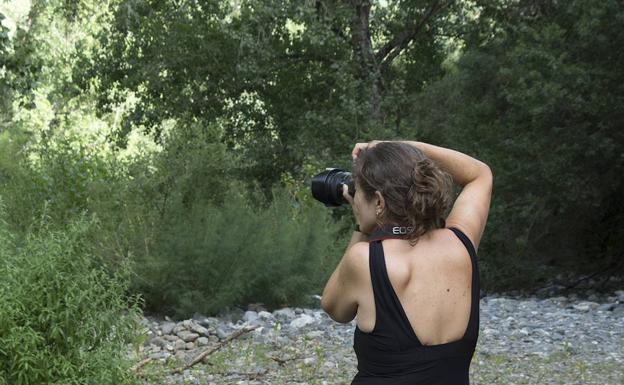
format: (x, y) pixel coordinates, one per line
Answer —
(365, 212)
(433, 275)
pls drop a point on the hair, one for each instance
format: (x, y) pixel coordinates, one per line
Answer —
(416, 191)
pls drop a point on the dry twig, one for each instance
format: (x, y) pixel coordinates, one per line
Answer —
(211, 350)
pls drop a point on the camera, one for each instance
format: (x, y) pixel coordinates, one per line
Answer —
(327, 186)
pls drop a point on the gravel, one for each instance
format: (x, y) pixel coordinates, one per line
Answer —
(530, 340)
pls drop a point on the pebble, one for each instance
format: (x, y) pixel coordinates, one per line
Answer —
(591, 329)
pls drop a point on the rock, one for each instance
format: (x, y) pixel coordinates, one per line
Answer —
(302, 321)
(309, 361)
(265, 315)
(221, 333)
(167, 327)
(285, 314)
(205, 321)
(188, 336)
(250, 316)
(314, 334)
(160, 342)
(618, 311)
(200, 330)
(177, 329)
(189, 346)
(202, 341)
(159, 355)
(179, 344)
(606, 307)
(585, 306)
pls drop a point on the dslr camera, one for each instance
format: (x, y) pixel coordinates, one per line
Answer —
(327, 186)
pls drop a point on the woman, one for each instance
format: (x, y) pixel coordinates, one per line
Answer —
(410, 276)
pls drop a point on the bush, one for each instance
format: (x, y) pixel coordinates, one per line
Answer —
(210, 257)
(63, 318)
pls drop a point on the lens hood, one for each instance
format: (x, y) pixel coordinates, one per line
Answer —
(327, 186)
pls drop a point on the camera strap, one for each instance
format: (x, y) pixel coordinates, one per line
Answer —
(390, 231)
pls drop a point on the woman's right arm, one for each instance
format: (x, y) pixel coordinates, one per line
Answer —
(471, 208)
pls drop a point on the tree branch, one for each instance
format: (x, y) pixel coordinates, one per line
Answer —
(395, 46)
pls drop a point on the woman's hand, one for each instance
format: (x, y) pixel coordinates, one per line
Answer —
(349, 198)
(360, 146)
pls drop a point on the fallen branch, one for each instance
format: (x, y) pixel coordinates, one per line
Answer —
(140, 364)
(211, 350)
(282, 361)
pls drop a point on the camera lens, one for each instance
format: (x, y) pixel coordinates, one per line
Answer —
(327, 186)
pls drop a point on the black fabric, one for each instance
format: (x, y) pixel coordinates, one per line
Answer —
(392, 353)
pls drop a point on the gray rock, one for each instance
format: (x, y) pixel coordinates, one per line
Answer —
(606, 307)
(189, 346)
(250, 315)
(167, 327)
(285, 314)
(179, 344)
(200, 330)
(585, 306)
(315, 334)
(159, 355)
(302, 321)
(618, 311)
(202, 341)
(187, 336)
(160, 342)
(221, 333)
(309, 361)
(255, 322)
(265, 315)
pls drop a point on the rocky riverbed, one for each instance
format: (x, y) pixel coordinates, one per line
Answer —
(553, 340)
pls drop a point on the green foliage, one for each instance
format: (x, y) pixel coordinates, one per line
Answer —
(63, 319)
(171, 120)
(209, 257)
(540, 104)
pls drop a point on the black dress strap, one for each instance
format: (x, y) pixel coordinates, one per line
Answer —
(473, 324)
(465, 240)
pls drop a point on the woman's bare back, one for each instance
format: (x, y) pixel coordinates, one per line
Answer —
(432, 281)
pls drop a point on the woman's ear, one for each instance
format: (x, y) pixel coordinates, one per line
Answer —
(379, 200)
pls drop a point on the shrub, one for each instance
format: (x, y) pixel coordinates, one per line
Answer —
(210, 257)
(63, 318)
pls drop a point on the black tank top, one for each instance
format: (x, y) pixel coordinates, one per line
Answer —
(392, 353)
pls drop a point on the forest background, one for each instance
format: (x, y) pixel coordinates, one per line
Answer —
(156, 155)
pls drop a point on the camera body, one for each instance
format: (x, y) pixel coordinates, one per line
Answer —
(327, 186)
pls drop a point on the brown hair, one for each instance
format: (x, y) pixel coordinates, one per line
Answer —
(416, 191)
